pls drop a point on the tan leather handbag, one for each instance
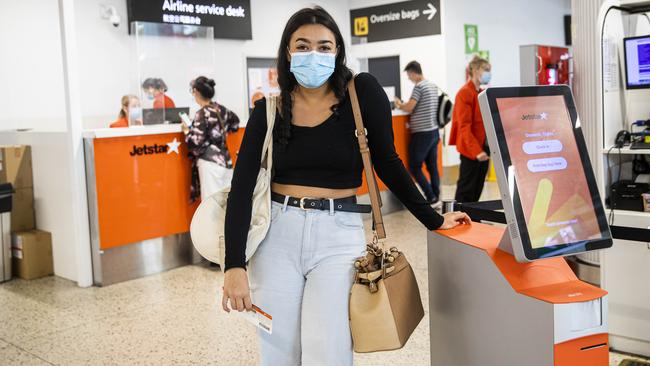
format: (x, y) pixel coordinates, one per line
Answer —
(385, 303)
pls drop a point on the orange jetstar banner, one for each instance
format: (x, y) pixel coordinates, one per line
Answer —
(143, 188)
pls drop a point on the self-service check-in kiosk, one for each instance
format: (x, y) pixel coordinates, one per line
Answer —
(505, 296)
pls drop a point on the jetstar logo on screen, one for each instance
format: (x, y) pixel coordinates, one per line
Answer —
(156, 149)
(539, 116)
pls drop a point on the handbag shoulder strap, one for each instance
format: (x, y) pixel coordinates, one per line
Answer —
(373, 189)
(267, 148)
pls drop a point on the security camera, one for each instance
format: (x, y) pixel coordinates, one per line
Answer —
(110, 13)
(115, 20)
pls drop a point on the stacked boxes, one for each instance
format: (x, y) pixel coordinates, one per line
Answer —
(16, 168)
(31, 249)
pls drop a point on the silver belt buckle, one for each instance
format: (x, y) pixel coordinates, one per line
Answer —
(302, 203)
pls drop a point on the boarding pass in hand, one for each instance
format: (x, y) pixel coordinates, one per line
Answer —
(258, 318)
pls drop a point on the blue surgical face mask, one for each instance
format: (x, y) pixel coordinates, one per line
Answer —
(135, 114)
(312, 69)
(486, 76)
(150, 96)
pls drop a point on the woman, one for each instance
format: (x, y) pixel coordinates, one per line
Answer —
(130, 111)
(155, 89)
(206, 141)
(468, 133)
(302, 272)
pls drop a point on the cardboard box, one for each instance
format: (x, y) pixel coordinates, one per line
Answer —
(22, 212)
(16, 166)
(31, 253)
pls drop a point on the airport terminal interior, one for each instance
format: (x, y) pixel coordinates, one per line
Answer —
(507, 221)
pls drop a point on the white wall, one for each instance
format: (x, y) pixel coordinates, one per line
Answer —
(31, 71)
(503, 26)
(52, 192)
(108, 57)
(32, 96)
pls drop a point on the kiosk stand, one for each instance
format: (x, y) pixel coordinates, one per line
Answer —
(488, 309)
(504, 296)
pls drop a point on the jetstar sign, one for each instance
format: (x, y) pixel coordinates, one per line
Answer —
(394, 21)
(145, 149)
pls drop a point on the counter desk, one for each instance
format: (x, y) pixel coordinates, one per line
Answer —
(138, 184)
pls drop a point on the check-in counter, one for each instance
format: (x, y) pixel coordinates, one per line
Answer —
(138, 183)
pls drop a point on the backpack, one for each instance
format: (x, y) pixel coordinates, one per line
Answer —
(445, 107)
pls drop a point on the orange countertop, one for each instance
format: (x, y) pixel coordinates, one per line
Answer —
(550, 280)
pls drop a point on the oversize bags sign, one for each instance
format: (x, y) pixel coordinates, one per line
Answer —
(230, 19)
(397, 20)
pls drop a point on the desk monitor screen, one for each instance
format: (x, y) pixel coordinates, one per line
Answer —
(544, 172)
(637, 62)
(163, 115)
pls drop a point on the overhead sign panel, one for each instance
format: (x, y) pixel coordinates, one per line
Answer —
(231, 19)
(394, 21)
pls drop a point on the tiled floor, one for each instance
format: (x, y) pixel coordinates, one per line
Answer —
(168, 319)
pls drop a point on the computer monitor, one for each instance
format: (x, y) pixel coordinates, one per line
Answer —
(156, 116)
(547, 185)
(637, 62)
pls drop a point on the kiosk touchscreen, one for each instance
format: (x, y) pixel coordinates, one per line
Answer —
(547, 185)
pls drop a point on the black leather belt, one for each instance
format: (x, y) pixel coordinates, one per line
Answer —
(347, 204)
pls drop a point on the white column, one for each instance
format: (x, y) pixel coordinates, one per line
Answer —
(75, 149)
(587, 73)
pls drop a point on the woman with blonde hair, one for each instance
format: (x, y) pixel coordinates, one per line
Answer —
(468, 133)
(130, 111)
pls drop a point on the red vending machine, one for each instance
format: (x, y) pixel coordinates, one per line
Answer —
(544, 65)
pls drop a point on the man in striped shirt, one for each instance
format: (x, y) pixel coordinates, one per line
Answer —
(423, 148)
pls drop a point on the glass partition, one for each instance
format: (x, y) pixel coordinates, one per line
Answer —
(168, 58)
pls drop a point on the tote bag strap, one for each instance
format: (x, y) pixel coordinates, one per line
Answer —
(267, 148)
(373, 190)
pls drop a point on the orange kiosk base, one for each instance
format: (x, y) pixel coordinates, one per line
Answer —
(485, 308)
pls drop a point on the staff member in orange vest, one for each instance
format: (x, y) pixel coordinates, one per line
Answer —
(130, 111)
(155, 89)
(468, 133)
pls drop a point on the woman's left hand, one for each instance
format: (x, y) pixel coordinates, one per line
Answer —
(453, 219)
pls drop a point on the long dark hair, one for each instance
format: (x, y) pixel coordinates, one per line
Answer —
(286, 80)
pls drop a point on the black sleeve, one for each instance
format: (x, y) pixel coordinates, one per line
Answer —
(240, 199)
(377, 118)
(230, 118)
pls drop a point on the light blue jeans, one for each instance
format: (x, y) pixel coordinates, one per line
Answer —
(301, 275)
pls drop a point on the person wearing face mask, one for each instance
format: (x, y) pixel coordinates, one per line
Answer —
(468, 133)
(155, 89)
(130, 112)
(302, 272)
(206, 141)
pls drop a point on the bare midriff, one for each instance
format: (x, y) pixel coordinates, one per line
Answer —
(312, 192)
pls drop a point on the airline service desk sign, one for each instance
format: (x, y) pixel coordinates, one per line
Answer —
(230, 19)
(394, 21)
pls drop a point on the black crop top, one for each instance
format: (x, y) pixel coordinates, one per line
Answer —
(327, 156)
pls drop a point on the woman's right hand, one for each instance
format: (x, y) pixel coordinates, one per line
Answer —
(483, 156)
(236, 290)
